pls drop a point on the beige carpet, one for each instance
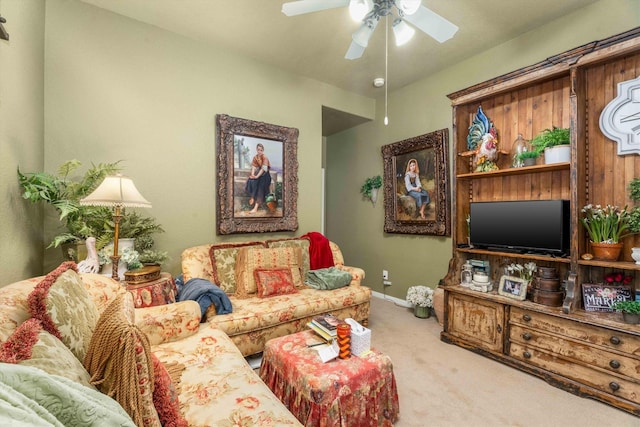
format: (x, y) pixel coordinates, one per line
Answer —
(441, 384)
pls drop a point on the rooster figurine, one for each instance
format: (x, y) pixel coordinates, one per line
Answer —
(482, 142)
(92, 263)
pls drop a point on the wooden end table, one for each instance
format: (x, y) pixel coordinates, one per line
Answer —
(360, 391)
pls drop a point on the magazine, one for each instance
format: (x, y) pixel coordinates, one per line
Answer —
(327, 322)
(325, 335)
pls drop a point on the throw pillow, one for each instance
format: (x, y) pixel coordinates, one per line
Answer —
(61, 303)
(165, 396)
(304, 245)
(274, 281)
(119, 362)
(250, 259)
(33, 346)
(223, 264)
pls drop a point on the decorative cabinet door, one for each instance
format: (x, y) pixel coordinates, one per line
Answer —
(476, 321)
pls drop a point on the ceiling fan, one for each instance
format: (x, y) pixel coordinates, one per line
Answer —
(369, 13)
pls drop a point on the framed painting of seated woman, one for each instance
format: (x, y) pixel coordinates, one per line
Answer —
(257, 176)
(416, 185)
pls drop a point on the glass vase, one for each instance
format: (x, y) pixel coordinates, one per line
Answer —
(520, 145)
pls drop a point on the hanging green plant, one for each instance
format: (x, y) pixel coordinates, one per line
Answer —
(370, 184)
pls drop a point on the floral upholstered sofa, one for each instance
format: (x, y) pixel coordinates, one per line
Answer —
(255, 319)
(198, 376)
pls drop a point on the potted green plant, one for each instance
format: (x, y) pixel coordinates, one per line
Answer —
(630, 311)
(554, 143)
(605, 226)
(370, 188)
(528, 158)
(63, 192)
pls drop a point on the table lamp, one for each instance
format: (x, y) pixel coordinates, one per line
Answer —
(116, 191)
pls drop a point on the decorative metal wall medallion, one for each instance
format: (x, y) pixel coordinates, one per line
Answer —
(620, 119)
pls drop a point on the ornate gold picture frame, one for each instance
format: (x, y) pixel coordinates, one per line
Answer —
(257, 179)
(426, 211)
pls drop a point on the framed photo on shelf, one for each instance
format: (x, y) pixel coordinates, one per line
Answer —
(513, 287)
(416, 185)
(257, 176)
(601, 297)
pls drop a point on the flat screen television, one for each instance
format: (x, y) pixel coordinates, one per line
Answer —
(523, 226)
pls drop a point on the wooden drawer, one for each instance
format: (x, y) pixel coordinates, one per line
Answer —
(476, 321)
(608, 383)
(591, 334)
(577, 351)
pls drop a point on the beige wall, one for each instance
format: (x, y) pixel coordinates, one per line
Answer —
(21, 135)
(423, 107)
(118, 89)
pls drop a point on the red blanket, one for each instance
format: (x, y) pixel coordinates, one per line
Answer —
(320, 255)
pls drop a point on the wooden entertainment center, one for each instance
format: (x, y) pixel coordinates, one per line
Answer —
(591, 354)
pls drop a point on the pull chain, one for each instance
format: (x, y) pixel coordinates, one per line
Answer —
(386, 67)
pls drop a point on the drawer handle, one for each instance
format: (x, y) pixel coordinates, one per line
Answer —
(526, 318)
(527, 355)
(499, 329)
(614, 386)
(614, 340)
(526, 336)
(614, 364)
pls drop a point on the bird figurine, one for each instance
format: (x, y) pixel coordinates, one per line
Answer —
(91, 264)
(482, 143)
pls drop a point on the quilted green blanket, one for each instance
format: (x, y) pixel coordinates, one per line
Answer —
(31, 397)
(327, 278)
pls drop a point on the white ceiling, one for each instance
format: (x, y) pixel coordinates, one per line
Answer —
(314, 44)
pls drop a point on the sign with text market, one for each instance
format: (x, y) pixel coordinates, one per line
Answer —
(599, 297)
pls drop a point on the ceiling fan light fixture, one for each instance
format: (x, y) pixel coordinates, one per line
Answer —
(402, 32)
(408, 7)
(363, 34)
(358, 9)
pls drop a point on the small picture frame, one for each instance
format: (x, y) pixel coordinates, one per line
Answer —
(513, 287)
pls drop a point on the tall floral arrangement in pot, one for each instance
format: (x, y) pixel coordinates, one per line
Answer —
(421, 297)
(605, 224)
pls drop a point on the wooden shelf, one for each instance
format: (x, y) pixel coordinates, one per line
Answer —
(515, 171)
(622, 265)
(517, 255)
(493, 325)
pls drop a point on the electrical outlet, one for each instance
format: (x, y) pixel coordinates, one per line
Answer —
(386, 282)
(385, 275)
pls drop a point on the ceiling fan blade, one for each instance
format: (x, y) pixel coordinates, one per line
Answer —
(355, 51)
(433, 24)
(300, 7)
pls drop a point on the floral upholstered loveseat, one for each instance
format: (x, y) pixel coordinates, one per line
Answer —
(43, 379)
(256, 320)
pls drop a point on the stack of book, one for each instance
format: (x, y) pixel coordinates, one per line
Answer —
(325, 325)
